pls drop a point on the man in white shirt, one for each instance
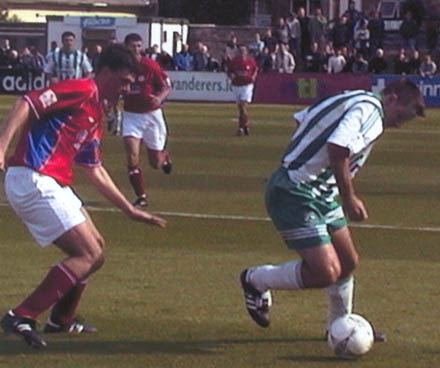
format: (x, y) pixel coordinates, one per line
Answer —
(333, 140)
(67, 62)
(336, 62)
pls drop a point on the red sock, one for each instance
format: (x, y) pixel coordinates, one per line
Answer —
(64, 311)
(55, 285)
(137, 180)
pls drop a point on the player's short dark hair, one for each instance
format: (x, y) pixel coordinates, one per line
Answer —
(407, 92)
(67, 34)
(132, 37)
(117, 57)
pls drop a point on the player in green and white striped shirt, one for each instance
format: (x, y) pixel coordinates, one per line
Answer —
(331, 143)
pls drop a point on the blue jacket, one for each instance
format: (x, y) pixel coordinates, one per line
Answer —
(184, 61)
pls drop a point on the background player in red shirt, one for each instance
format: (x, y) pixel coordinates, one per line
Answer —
(143, 119)
(61, 126)
(243, 70)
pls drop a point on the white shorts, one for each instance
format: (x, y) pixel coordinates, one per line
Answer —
(46, 208)
(150, 127)
(243, 93)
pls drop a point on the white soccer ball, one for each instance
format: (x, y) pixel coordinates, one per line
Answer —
(350, 336)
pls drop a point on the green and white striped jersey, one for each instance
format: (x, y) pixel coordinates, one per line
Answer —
(353, 119)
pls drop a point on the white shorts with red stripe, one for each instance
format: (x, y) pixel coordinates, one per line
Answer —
(150, 127)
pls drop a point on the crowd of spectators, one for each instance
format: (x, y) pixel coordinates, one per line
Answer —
(296, 43)
(301, 43)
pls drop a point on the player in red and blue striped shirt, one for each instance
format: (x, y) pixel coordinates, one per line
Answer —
(62, 126)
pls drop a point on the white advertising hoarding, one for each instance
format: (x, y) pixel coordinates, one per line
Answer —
(200, 86)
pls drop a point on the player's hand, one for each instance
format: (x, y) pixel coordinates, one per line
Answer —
(155, 100)
(355, 209)
(146, 217)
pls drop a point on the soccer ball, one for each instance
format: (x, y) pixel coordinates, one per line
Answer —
(350, 336)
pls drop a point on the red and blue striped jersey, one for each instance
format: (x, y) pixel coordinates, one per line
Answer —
(67, 130)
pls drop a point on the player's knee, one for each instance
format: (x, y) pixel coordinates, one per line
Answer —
(329, 274)
(96, 255)
(132, 160)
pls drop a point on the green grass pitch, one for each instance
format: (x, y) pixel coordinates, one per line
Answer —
(171, 298)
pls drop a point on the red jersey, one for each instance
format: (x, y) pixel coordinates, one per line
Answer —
(68, 129)
(149, 81)
(244, 70)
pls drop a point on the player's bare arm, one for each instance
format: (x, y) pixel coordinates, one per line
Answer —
(17, 117)
(163, 93)
(103, 182)
(353, 206)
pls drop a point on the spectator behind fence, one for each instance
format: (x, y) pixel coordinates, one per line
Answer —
(378, 64)
(428, 67)
(353, 15)
(153, 52)
(285, 61)
(360, 65)
(305, 33)
(329, 52)
(362, 38)
(318, 28)
(402, 63)
(4, 53)
(336, 62)
(409, 30)
(94, 59)
(376, 26)
(349, 54)
(25, 58)
(415, 62)
(281, 31)
(313, 61)
(340, 34)
(294, 35)
(265, 62)
(256, 46)
(230, 51)
(270, 40)
(38, 60)
(201, 59)
(184, 60)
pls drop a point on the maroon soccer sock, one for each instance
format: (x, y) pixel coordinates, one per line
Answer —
(59, 281)
(137, 180)
(64, 311)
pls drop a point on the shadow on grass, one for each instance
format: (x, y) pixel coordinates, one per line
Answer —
(10, 346)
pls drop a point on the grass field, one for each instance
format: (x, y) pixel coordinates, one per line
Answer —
(170, 297)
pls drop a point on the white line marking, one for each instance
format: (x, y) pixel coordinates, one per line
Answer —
(257, 218)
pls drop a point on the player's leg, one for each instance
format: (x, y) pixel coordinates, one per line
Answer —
(135, 175)
(245, 100)
(243, 119)
(132, 131)
(304, 230)
(49, 211)
(340, 293)
(237, 90)
(64, 312)
(155, 137)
